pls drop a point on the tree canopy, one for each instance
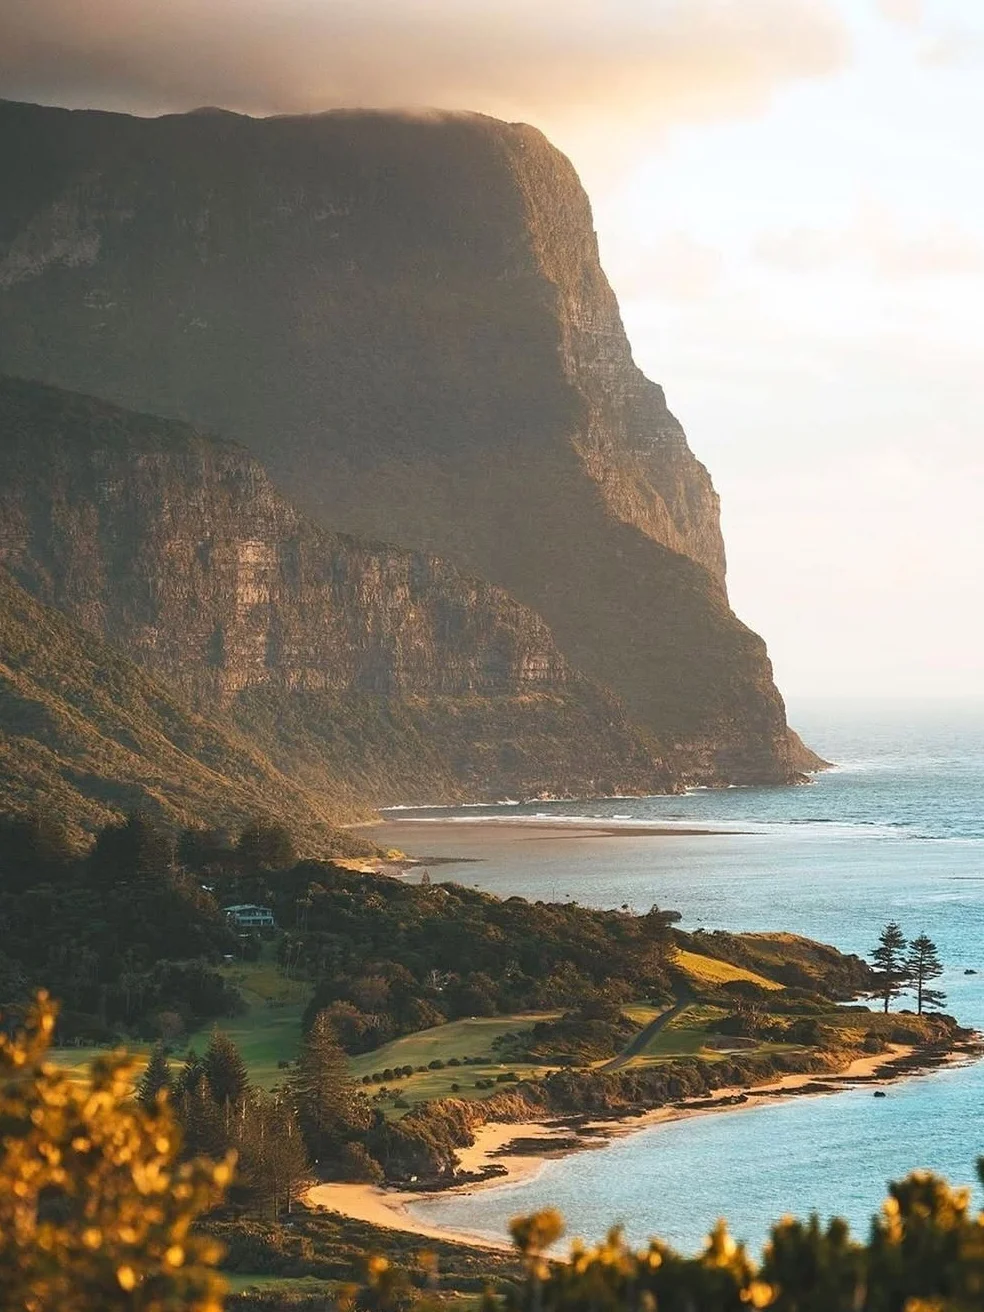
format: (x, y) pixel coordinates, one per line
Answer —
(95, 1209)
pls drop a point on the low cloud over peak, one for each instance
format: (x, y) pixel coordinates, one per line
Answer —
(664, 61)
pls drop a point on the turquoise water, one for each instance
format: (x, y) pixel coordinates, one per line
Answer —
(896, 831)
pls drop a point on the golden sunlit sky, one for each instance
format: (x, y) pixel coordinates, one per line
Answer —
(789, 196)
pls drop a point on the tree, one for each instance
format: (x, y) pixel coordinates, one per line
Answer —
(328, 1107)
(34, 849)
(266, 846)
(156, 1077)
(273, 1162)
(95, 1212)
(134, 850)
(888, 959)
(922, 966)
(225, 1070)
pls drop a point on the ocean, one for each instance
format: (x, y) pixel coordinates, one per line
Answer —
(895, 831)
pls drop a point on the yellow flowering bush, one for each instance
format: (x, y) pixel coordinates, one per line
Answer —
(95, 1211)
(926, 1254)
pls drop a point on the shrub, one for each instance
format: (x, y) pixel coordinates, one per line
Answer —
(356, 1164)
(435, 1065)
(52, 1192)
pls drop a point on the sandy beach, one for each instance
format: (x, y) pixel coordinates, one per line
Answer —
(394, 1208)
(518, 831)
(468, 840)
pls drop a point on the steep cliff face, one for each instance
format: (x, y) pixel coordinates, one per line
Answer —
(370, 673)
(407, 321)
(87, 736)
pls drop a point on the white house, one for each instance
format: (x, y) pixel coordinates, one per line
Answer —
(248, 916)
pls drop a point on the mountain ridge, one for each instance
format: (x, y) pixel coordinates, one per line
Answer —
(406, 320)
(366, 673)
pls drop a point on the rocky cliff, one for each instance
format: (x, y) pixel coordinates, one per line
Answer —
(367, 673)
(87, 736)
(406, 319)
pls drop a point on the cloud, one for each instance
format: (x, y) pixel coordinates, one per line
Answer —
(908, 12)
(875, 242)
(666, 60)
(953, 49)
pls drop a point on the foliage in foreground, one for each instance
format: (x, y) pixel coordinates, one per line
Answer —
(95, 1212)
(925, 1254)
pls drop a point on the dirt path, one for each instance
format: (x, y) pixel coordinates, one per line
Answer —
(641, 1040)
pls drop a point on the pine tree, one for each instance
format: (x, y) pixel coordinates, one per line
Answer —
(133, 850)
(225, 1070)
(266, 845)
(156, 1077)
(203, 1123)
(328, 1107)
(888, 959)
(923, 965)
(273, 1161)
(191, 1074)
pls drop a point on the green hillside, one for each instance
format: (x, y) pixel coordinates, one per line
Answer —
(84, 729)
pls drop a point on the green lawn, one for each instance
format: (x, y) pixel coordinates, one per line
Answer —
(287, 1285)
(264, 1035)
(643, 1013)
(471, 1037)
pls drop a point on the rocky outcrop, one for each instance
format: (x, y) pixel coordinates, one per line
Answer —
(367, 673)
(406, 319)
(86, 736)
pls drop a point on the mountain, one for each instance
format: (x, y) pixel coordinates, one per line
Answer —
(405, 318)
(87, 735)
(367, 674)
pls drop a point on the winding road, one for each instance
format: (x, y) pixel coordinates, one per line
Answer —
(639, 1042)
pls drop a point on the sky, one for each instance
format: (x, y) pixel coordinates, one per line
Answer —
(789, 196)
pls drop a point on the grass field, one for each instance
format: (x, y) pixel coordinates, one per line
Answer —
(709, 972)
(287, 1285)
(472, 1037)
(269, 1032)
(684, 1036)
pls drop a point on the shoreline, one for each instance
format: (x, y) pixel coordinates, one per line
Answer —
(394, 1209)
(485, 827)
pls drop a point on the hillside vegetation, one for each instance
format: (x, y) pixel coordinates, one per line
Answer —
(89, 736)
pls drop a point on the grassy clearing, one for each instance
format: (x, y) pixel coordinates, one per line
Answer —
(268, 1032)
(684, 1036)
(643, 1013)
(286, 1285)
(423, 1087)
(472, 1037)
(709, 972)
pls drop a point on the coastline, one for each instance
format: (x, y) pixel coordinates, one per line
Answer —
(483, 828)
(394, 1209)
